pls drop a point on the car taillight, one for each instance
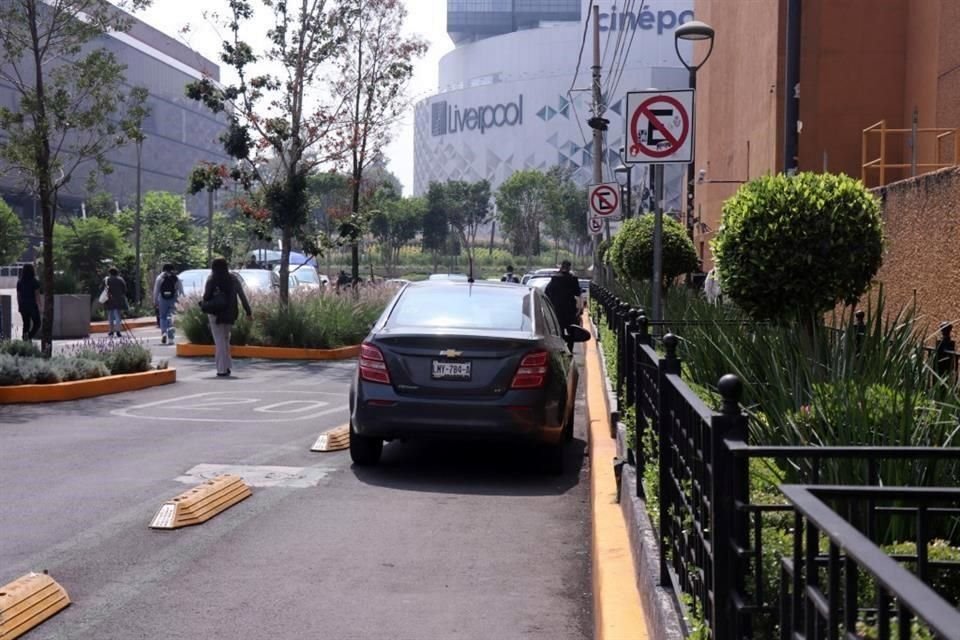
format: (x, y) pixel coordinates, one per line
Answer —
(372, 366)
(532, 372)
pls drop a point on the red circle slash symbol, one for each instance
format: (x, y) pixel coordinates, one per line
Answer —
(595, 225)
(671, 143)
(605, 201)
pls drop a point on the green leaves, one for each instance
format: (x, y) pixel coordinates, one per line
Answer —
(796, 246)
(631, 251)
(12, 240)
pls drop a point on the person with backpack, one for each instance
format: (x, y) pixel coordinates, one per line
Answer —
(220, 304)
(509, 276)
(167, 290)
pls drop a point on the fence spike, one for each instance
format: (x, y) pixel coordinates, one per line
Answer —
(731, 390)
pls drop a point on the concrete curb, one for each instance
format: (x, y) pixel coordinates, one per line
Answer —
(79, 389)
(191, 350)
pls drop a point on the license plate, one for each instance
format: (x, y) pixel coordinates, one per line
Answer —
(450, 370)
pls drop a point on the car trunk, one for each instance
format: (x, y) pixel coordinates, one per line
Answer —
(446, 366)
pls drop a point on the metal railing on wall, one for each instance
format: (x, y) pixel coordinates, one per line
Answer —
(879, 167)
(714, 552)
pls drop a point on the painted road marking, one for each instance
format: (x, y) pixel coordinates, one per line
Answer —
(259, 476)
(216, 400)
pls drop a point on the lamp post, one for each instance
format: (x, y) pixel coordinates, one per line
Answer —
(628, 200)
(693, 31)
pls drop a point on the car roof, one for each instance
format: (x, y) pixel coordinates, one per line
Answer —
(507, 287)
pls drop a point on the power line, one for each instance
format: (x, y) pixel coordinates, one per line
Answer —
(618, 48)
(583, 43)
(626, 57)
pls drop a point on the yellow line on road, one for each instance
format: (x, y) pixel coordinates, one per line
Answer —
(618, 611)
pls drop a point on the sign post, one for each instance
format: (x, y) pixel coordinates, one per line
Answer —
(660, 128)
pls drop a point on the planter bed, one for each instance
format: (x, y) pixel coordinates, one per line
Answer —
(76, 390)
(191, 350)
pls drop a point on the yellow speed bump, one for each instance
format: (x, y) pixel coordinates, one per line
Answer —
(333, 440)
(28, 601)
(201, 503)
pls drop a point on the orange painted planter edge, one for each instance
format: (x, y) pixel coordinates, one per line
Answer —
(79, 389)
(137, 323)
(190, 350)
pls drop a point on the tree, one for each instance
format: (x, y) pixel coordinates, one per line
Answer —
(71, 109)
(209, 177)
(394, 224)
(522, 203)
(12, 240)
(377, 63)
(631, 250)
(167, 231)
(566, 217)
(84, 250)
(101, 205)
(436, 226)
(468, 210)
(796, 246)
(278, 130)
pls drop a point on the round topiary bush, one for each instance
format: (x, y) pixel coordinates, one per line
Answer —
(795, 246)
(631, 252)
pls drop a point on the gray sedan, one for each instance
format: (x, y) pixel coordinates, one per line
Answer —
(465, 360)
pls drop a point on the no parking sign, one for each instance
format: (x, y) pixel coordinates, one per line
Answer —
(660, 127)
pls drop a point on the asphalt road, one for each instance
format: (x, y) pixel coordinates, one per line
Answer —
(440, 541)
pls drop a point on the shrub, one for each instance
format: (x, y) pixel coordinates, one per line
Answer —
(631, 251)
(70, 369)
(22, 348)
(12, 240)
(118, 356)
(796, 246)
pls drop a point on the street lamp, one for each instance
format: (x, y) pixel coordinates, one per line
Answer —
(693, 31)
(628, 170)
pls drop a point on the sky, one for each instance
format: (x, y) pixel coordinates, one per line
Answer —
(427, 18)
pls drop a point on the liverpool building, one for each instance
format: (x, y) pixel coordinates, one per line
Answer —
(507, 97)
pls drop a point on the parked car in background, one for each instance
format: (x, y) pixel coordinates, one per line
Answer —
(194, 280)
(396, 282)
(454, 359)
(259, 280)
(457, 277)
(306, 275)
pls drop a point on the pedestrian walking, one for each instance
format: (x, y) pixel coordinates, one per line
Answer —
(563, 291)
(509, 276)
(114, 299)
(28, 301)
(220, 304)
(167, 290)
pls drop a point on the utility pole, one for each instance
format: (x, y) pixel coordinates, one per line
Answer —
(137, 295)
(597, 122)
(658, 243)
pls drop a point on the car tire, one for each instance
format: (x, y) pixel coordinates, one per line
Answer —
(364, 450)
(568, 424)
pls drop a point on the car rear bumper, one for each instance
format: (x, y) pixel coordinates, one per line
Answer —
(517, 415)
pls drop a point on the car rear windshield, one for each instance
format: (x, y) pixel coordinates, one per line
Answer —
(462, 308)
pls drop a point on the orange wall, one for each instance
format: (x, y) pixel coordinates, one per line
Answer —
(920, 81)
(948, 71)
(738, 101)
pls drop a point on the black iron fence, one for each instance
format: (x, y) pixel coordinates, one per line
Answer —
(719, 545)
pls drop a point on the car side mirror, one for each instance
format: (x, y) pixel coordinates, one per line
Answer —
(578, 334)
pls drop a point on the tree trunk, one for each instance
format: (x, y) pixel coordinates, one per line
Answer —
(47, 218)
(286, 236)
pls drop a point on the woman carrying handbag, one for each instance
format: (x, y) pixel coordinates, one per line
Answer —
(220, 304)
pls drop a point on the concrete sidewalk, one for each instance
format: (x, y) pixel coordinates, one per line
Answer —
(618, 610)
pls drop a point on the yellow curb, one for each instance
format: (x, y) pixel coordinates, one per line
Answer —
(191, 350)
(28, 601)
(201, 503)
(79, 389)
(136, 323)
(618, 611)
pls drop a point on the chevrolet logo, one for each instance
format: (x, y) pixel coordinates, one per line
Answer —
(451, 353)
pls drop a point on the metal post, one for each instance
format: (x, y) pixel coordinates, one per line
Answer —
(597, 112)
(691, 170)
(209, 226)
(136, 227)
(629, 201)
(670, 364)
(913, 143)
(658, 244)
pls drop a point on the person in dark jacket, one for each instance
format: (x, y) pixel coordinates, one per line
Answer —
(563, 291)
(221, 293)
(28, 301)
(116, 301)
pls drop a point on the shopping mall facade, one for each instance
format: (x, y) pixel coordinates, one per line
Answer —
(505, 103)
(180, 133)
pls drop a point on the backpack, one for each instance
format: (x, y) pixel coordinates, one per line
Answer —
(168, 286)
